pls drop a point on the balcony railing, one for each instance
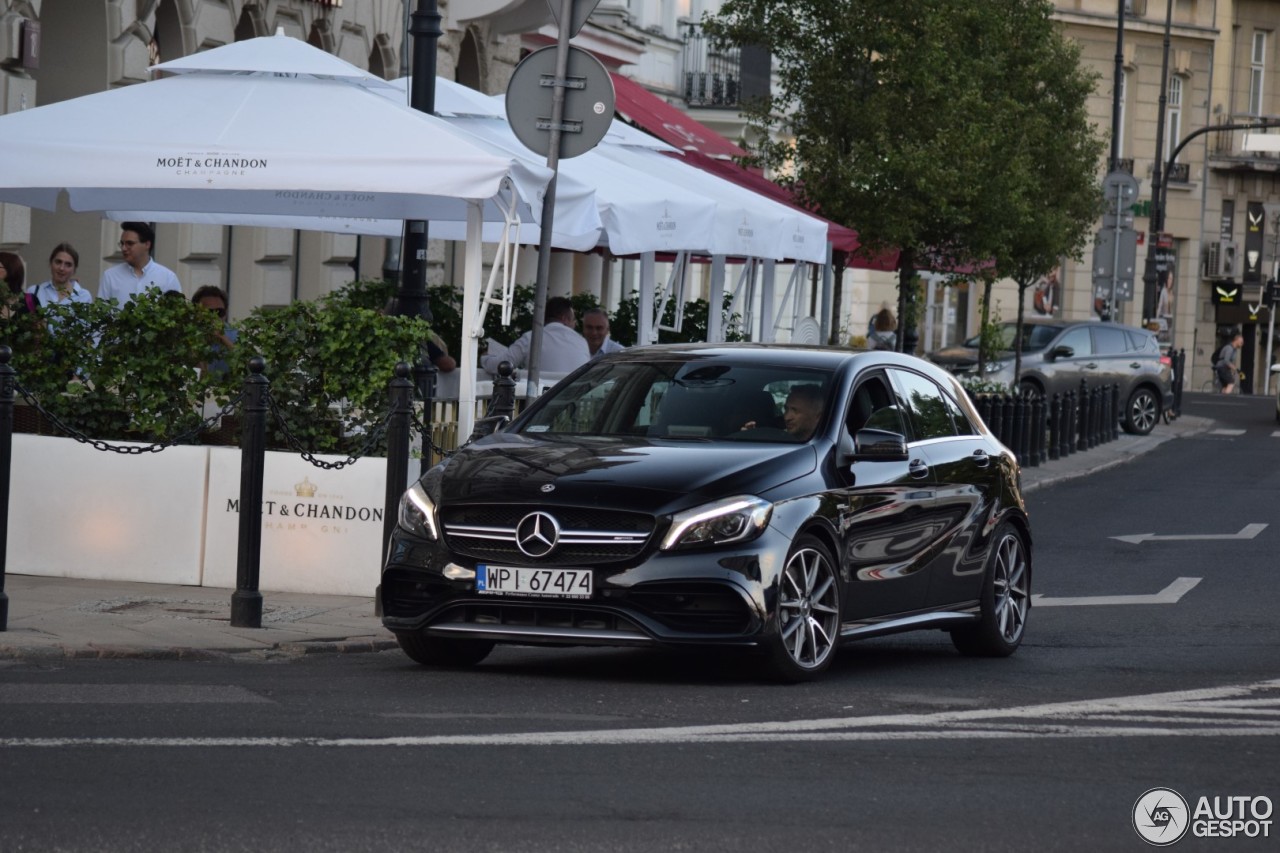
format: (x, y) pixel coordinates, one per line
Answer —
(711, 78)
(1228, 145)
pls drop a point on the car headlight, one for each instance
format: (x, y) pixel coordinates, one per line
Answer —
(995, 366)
(418, 513)
(718, 523)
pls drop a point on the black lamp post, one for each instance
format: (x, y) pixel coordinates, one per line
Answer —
(1150, 275)
(411, 295)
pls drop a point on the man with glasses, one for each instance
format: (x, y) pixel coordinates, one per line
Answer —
(139, 271)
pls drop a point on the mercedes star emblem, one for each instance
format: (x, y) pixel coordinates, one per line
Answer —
(537, 534)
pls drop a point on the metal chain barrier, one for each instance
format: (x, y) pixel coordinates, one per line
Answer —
(375, 436)
(184, 438)
(422, 430)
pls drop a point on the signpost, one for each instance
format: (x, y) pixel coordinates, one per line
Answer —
(557, 115)
(1115, 248)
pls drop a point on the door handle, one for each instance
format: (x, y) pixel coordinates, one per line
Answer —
(981, 458)
(919, 469)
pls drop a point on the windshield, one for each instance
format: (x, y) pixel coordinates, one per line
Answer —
(701, 400)
(1035, 336)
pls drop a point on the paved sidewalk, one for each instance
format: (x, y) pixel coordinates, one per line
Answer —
(69, 618)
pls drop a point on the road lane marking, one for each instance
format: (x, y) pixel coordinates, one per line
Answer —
(1169, 595)
(1226, 432)
(1249, 531)
(1246, 710)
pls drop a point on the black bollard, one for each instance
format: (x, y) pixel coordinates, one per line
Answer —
(246, 601)
(1055, 425)
(504, 392)
(7, 380)
(1036, 443)
(1083, 436)
(1115, 411)
(501, 408)
(400, 390)
(1065, 441)
(1024, 429)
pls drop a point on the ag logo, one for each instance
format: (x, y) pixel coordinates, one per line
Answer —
(1161, 816)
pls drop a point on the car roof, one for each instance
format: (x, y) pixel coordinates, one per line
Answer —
(1063, 324)
(795, 355)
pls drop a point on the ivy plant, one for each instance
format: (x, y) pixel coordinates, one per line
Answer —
(329, 363)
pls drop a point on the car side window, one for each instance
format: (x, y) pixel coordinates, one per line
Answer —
(926, 405)
(962, 423)
(872, 407)
(1108, 340)
(1078, 339)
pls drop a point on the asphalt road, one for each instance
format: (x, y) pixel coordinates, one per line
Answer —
(905, 746)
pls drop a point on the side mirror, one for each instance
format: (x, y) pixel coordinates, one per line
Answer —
(1061, 352)
(879, 445)
(489, 425)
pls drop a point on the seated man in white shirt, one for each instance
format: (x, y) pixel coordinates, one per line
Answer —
(139, 272)
(595, 328)
(563, 349)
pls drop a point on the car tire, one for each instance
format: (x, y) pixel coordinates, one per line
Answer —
(1005, 601)
(1141, 412)
(806, 616)
(1030, 389)
(438, 651)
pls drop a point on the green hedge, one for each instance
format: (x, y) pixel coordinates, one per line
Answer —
(130, 373)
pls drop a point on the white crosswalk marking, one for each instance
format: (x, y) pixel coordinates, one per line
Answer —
(1249, 710)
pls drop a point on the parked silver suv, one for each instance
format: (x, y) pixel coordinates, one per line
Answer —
(1057, 354)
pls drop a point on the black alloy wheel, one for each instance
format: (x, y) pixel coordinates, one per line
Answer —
(1142, 412)
(1005, 599)
(807, 615)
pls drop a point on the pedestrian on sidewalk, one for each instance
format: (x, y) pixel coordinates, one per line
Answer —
(1224, 363)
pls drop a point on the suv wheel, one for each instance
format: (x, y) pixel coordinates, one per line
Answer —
(1141, 412)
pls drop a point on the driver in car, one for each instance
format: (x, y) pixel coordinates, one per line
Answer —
(803, 409)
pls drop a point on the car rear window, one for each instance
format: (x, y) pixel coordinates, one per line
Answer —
(1108, 340)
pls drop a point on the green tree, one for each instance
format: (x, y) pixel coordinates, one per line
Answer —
(955, 133)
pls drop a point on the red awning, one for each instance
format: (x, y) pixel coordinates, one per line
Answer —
(842, 239)
(641, 107)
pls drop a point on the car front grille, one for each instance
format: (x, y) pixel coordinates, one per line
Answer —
(587, 536)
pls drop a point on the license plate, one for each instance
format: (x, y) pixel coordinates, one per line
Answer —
(512, 580)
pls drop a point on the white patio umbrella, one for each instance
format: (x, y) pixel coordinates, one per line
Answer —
(268, 127)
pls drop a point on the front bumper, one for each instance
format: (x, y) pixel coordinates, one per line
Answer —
(719, 596)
